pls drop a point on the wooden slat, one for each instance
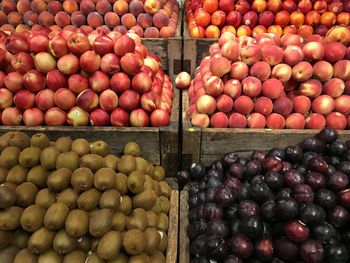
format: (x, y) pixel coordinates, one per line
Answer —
(184, 242)
(171, 254)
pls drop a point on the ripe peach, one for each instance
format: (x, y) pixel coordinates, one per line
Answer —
(305, 31)
(2, 79)
(290, 30)
(291, 40)
(244, 30)
(273, 55)
(214, 86)
(323, 71)
(38, 43)
(44, 100)
(302, 71)
(334, 51)
(14, 18)
(152, 6)
(293, 55)
(295, 121)
(64, 98)
(55, 117)
(99, 117)
(283, 106)
(266, 18)
(250, 19)
(70, 6)
(259, 6)
(34, 81)
(334, 87)
(111, 20)
(234, 18)
(120, 82)
(224, 103)
(312, 18)
(120, 118)
(200, 120)
(77, 83)
(22, 62)
(297, 19)
(233, 88)
(237, 120)
(11, 117)
(301, 104)
(250, 54)
(160, 20)
(342, 70)
(22, 6)
(258, 30)
(103, 6)
(320, 6)
(256, 120)
(342, 104)
(272, 88)
(275, 29)
(144, 20)
(343, 19)
(44, 62)
(159, 118)
(149, 101)
(323, 104)
(120, 7)
(305, 6)
(210, 5)
(263, 105)
(141, 82)
(33, 117)
(315, 121)
(336, 120)
(77, 117)
(62, 19)
(251, 86)
(95, 20)
(260, 70)
(68, 64)
(131, 63)
(230, 50)
(54, 7)
(274, 5)
(206, 104)
(328, 19)
(78, 19)
(338, 34)
(153, 32)
(87, 100)
(3, 17)
(124, 44)
(13, 81)
(110, 64)
(139, 118)
(282, 18)
(212, 32)
(99, 81)
(24, 99)
(6, 98)
(313, 51)
(58, 46)
(282, 72)
(90, 61)
(311, 88)
(275, 121)
(129, 100)
(219, 120)
(335, 6)
(220, 66)
(243, 104)
(38, 6)
(241, 6)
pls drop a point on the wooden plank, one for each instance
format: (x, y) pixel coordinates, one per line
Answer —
(184, 242)
(171, 254)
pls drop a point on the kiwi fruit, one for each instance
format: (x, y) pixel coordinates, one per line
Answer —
(136, 181)
(8, 254)
(100, 148)
(69, 160)
(92, 161)
(141, 258)
(157, 257)
(100, 222)
(157, 207)
(83, 243)
(49, 157)
(163, 222)
(152, 240)
(18, 139)
(89, 199)
(109, 246)
(68, 196)
(29, 157)
(50, 256)
(137, 219)
(26, 194)
(32, 218)
(111, 161)
(164, 204)
(82, 179)
(76, 256)
(149, 183)
(41, 240)
(4, 140)
(121, 258)
(3, 174)
(104, 179)
(7, 196)
(118, 221)
(77, 223)
(59, 180)
(110, 199)
(45, 198)
(25, 256)
(134, 242)
(55, 216)
(40, 140)
(152, 219)
(17, 174)
(146, 200)
(81, 147)
(127, 164)
(141, 165)
(5, 238)
(132, 148)
(9, 185)
(20, 238)
(63, 144)
(156, 187)
(125, 205)
(158, 173)
(165, 189)
(163, 242)
(9, 156)
(38, 176)
(93, 258)
(121, 183)
(94, 244)
(64, 243)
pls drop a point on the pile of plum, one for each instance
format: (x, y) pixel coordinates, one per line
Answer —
(285, 205)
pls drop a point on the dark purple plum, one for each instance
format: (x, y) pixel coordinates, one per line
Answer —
(302, 169)
(326, 198)
(303, 194)
(233, 259)
(294, 154)
(197, 171)
(343, 198)
(274, 180)
(338, 181)
(235, 227)
(286, 166)
(287, 209)
(286, 249)
(323, 232)
(243, 161)
(231, 212)
(183, 177)
(244, 192)
(248, 208)
(258, 155)
(313, 145)
(308, 156)
(337, 253)
(253, 168)
(216, 247)
(233, 183)
(272, 163)
(335, 160)
(197, 199)
(328, 135)
(284, 193)
(196, 228)
(241, 246)
(344, 167)
(312, 214)
(193, 188)
(337, 148)
(263, 249)
(296, 231)
(318, 164)
(218, 227)
(212, 211)
(259, 191)
(210, 195)
(229, 159)
(292, 178)
(218, 165)
(315, 180)
(338, 216)
(345, 156)
(267, 230)
(224, 196)
(277, 152)
(200, 260)
(212, 173)
(236, 170)
(197, 246)
(311, 251)
(213, 182)
(252, 227)
(268, 211)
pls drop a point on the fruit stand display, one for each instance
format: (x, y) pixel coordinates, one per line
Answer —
(70, 201)
(285, 204)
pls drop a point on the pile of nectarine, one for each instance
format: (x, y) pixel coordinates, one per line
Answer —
(75, 78)
(147, 18)
(210, 18)
(274, 82)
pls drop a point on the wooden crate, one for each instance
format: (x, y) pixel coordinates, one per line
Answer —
(209, 144)
(184, 241)
(168, 49)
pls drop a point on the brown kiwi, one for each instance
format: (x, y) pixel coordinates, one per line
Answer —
(136, 181)
(30, 157)
(100, 147)
(92, 161)
(111, 161)
(137, 219)
(9, 156)
(164, 204)
(32, 218)
(109, 246)
(40, 140)
(163, 222)
(26, 194)
(146, 200)
(41, 240)
(83, 243)
(25, 256)
(158, 257)
(7, 196)
(3, 174)
(69, 160)
(55, 216)
(20, 238)
(125, 205)
(141, 258)
(121, 183)
(19, 139)
(77, 223)
(89, 199)
(64, 144)
(110, 199)
(75, 256)
(38, 176)
(4, 140)
(59, 180)
(64, 243)
(100, 222)
(105, 179)
(165, 189)
(118, 221)
(141, 165)
(152, 240)
(82, 179)
(50, 256)
(132, 148)
(163, 242)
(17, 174)
(81, 147)
(8, 254)
(121, 258)
(134, 242)
(152, 219)
(158, 173)
(49, 157)
(94, 244)
(68, 196)
(6, 238)
(127, 164)
(45, 198)
(93, 258)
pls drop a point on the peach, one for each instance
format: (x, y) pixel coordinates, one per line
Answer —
(226, 6)
(260, 70)
(77, 117)
(275, 121)
(110, 64)
(293, 55)
(305, 6)
(124, 44)
(220, 66)
(258, 30)
(131, 63)
(338, 34)
(234, 18)
(152, 6)
(120, 7)
(46, 19)
(335, 6)
(200, 120)
(11, 117)
(6, 98)
(212, 32)
(120, 118)
(62, 19)
(2, 79)
(44, 100)
(55, 6)
(44, 62)
(243, 104)
(34, 81)
(250, 54)
(275, 29)
(14, 18)
(244, 30)
(342, 104)
(99, 81)
(160, 20)
(242, 6)
(103, 6)
(315, 121)
(141, 82)
(58, 46)
(251, 86)
(64, 98)
(313, 51)
(22, 62)
(302, 71)
(24, 99)
(334, 51)
(272, 88)
(120, 82)
(259, 6)
(230, 50)
(323, 71)
(274, 5)
(206, 104)
(323, 104)
(95, 19)
(38, 43)
(149, 101)
(77, 83)
(23, 6)
(295, 121)
(347, 87)
(282, 72)
(159, 118)
(38, 6)
(256, 121)
(334, 87)
(282, 18)
(144, 20)
(87, 100)
(266, 18)
(301, 104)
(273, 55)
(263, 105)
(139, 118)
(291, 40)
(297, 18)
(224, 103)
(290, 30)
(336, 120)
(237, 120)
(283, 106)
(70, 6)
(33, 117)
(68, 64)
(210, 5)
(311, 88)
(250, 19)
(312, 18)
(343, 19)
(219, 120)
(55, 117)
(129, 100)
(90, 61)
(342, 70)
(328, 19)
(153, 32)
(111, 20)
(233, 88)
(78, 19)
(183, 80)
(99, 117)
(320, 6)
(214, 86)
(13, 81)
(3, 17)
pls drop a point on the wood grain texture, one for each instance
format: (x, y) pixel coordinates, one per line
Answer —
(184, 242)
(171, 254)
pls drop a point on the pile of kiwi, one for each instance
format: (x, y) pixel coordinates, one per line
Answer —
(71, 201)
